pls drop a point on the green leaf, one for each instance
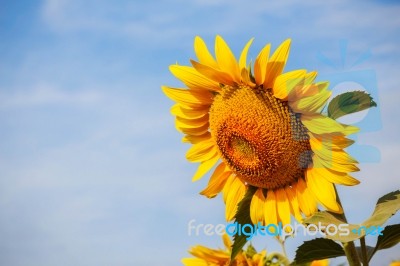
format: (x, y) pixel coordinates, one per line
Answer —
(326, 218)
(389, 238)
(317, 249)
(370, 251)
(385, 208)
(348, 103)
(242, 216)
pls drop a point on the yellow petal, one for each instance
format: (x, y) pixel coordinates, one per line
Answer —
(226, 60)
(336, 177)
(323, 191)
(217, 181)
(310, 77)
(227, 187)
(307, 88)
(188, 97)
(257, 207)
(196, 139)
(283, 206)
(227, 241)
(213, 256)
(320, 124)
(319, 162)
(294, 204)
(205, 167)
(304, 90)
(350, 129)
(202, 151)
(327, 153)
(324, 262)
(194, 131)
(260, 65)
(259, 258)
(194, 262)
(277, 63)
(333, 142)
(235, 195)
(240, 259)
(337, 142)
(335, 156)
(189, 113)
(307, 202)
(246, 78)
(270, 213)
(311, 104)
(213, 73)
(203, 54)
(286, 82)
(193, 79)
(243, 55)
(190, 126)
(199, 122)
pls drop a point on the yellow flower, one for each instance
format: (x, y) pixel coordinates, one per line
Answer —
(205, 256)
(395, 263)
(320, 263)
(263, 129)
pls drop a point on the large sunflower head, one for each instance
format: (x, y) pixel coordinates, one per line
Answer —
(264, 128)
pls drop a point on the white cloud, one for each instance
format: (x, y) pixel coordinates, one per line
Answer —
(44, 94)
(143, 22)
(174, 22)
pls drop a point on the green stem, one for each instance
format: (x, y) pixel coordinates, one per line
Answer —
(282, 243)
(351, 254)
(349, 247)
(364, 251)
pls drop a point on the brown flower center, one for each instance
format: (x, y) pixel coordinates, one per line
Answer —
(259, 137)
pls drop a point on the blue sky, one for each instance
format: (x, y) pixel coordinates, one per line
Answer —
(92, 170)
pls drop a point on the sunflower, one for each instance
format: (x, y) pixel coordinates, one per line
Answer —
(324, 262)
(221, 257)
(264, 128)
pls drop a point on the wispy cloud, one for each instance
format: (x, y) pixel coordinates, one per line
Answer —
(44, 94)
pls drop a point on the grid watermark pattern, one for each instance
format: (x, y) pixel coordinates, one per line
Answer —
(347, 75)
